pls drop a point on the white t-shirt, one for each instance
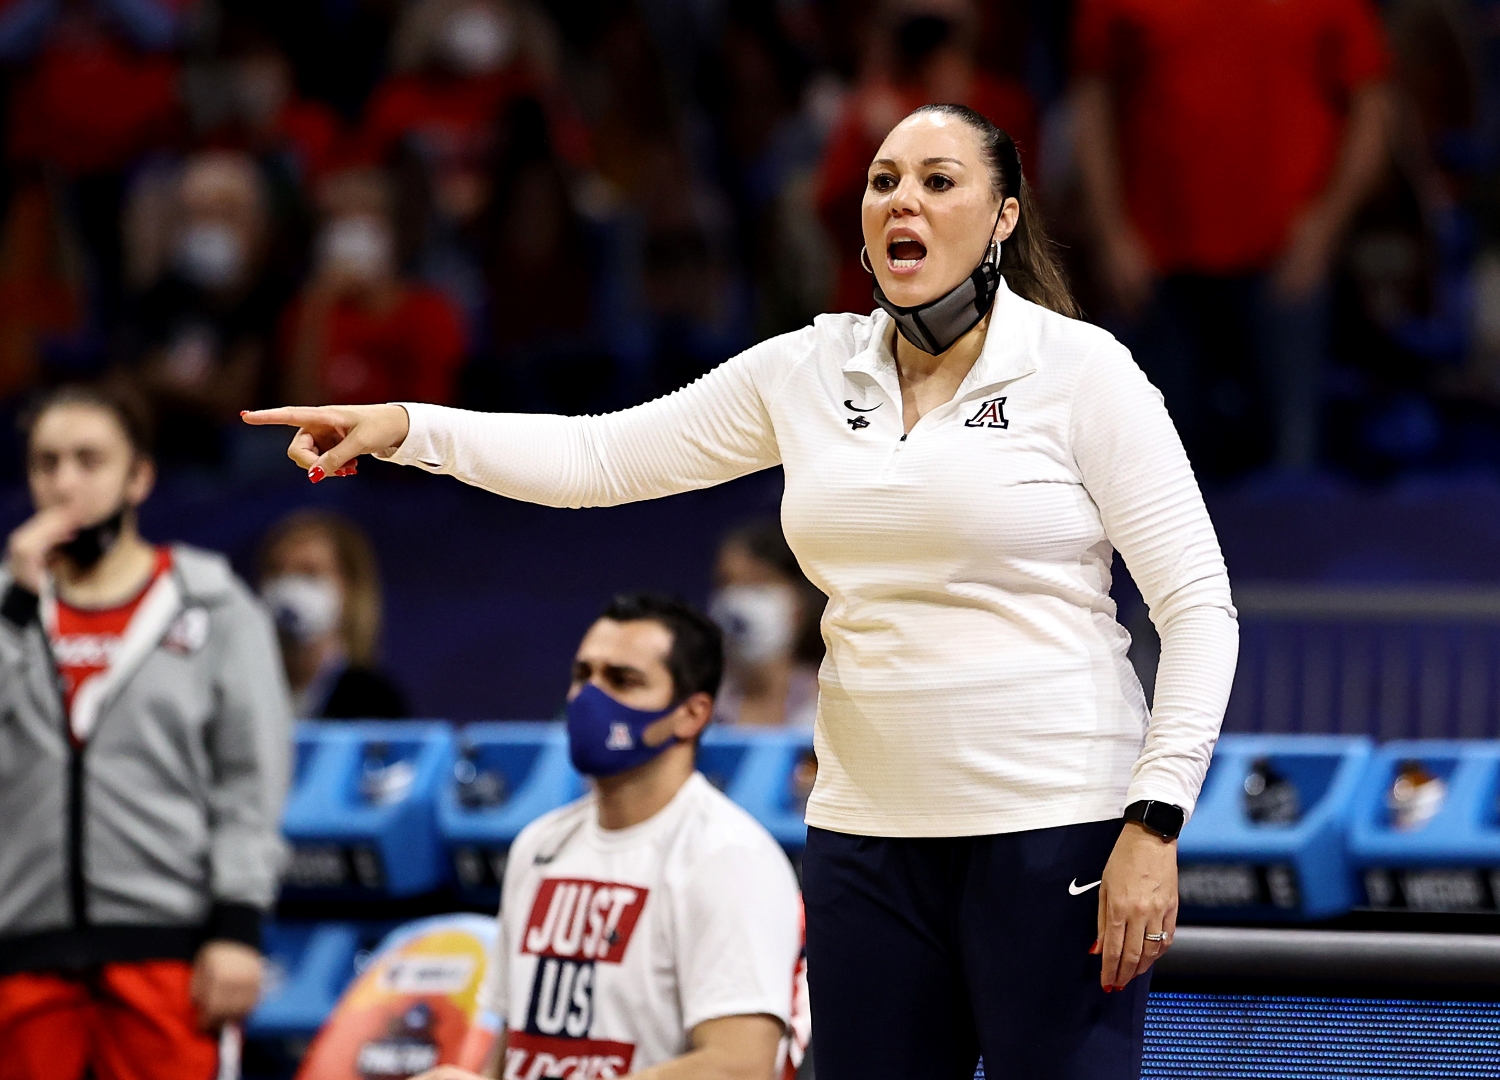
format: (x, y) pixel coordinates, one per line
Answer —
(615, 944)
(976, 679)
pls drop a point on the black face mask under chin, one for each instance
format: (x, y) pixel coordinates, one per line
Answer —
(92, 543)
(934, 326)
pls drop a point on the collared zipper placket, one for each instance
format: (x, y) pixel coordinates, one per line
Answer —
(947, 406)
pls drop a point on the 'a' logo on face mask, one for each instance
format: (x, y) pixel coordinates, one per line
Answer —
(606, 737)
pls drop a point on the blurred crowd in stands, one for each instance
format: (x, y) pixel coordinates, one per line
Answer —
(1290, 211)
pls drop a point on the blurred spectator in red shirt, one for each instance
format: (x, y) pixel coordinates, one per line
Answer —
(458, 64)
(198, 340)
(462, 70)
(360, 333)
(1224, 148)
(922, 52)
(99, 88)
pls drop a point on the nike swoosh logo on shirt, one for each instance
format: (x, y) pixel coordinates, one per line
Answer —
(1075, 889)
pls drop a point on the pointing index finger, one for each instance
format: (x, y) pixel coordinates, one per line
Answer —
(291, 417)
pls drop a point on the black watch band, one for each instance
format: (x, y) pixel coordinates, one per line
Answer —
(1162, 818)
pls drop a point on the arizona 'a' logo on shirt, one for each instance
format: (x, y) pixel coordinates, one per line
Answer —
(990, 414)
(573, 926)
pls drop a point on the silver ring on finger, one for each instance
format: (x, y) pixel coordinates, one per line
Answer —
(1157, 937)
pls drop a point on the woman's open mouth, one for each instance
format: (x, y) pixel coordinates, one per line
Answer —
(905, 254)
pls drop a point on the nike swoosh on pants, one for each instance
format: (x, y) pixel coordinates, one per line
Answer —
(1075, 889)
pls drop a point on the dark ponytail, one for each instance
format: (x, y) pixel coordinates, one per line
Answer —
(1027, 259)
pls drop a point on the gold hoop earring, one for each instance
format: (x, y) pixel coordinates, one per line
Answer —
(864, 259)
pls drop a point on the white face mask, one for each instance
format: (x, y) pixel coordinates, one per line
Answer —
(759, 621)
(211, 255)
(304, 607)
(478, 40)
(359, 246)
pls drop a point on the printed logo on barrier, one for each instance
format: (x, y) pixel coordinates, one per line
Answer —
(583, 920)
(532, 1057)
(427, 974)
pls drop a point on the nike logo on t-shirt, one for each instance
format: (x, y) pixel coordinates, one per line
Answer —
(1075, 889)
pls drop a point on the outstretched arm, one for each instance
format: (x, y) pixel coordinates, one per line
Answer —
(714, 430)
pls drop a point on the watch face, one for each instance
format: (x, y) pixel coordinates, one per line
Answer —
(1165, 818)
(1161, 818)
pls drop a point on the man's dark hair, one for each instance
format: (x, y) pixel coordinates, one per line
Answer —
(696, 658)
(127, 407)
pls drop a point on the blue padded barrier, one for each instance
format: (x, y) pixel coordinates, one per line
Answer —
(308, 967)
(1235, 868)
(1452, 863)
(528, 761)
(360, 815)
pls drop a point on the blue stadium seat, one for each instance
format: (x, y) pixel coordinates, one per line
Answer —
(1233, 867)
(1450, 863)
(361, 813)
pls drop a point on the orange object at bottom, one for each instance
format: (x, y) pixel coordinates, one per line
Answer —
(416, 1006)
(117, 1022)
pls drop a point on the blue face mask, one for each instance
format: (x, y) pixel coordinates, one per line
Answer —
(604, 736)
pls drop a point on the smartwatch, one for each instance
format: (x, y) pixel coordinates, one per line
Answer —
(1162, 818)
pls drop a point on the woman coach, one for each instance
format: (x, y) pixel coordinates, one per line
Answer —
(960, 466)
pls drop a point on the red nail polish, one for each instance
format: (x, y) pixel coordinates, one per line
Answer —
(244, 412)
(315, 474)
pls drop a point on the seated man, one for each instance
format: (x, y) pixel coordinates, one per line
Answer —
(652, 927)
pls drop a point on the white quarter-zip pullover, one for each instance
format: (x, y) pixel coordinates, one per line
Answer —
(976, 679)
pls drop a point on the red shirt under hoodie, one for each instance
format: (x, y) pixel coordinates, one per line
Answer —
(84, 640)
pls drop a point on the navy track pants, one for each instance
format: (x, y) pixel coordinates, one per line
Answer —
(924, 953)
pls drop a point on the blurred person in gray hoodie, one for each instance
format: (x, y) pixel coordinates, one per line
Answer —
(145, 730)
